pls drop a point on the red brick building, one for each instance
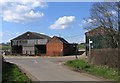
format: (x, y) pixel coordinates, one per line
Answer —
(58, 46)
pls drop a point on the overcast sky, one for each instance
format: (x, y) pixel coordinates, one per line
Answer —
(64, 19)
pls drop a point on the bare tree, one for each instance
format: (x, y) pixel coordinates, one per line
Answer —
(105, 15)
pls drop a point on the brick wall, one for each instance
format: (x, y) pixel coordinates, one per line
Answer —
(55, 49)
(59, 47)
(107, 56)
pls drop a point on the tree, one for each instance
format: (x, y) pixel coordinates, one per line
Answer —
(105, 15)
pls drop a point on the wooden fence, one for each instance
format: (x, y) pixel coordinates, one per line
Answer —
(108, 56)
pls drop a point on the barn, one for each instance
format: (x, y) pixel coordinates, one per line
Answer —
(32, 43)
(29, 43)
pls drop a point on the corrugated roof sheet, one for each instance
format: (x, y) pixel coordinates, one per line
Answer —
(31, 35)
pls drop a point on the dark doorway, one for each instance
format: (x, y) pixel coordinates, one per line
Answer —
(40, 49)
(17, 49)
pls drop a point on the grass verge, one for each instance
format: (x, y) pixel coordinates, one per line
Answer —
(5, 47)
(101, 71)
(11, 73)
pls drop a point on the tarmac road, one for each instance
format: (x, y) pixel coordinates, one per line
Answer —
(49, 69)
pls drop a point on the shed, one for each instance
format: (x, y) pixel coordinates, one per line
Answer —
(58, 46)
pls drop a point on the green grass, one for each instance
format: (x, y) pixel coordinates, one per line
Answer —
(11, 73)
(81, 46)
(99, 71)
(5, 47)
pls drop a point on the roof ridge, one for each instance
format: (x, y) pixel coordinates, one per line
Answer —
(62, 39)
(37, 34)
(33, 35)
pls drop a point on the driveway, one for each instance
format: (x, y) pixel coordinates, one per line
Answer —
(49, 69)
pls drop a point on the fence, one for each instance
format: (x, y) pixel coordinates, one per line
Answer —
(106, 56)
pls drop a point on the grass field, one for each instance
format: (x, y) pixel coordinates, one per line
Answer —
(11, 73)
(5, 47)
(100, 71)
(81, 46)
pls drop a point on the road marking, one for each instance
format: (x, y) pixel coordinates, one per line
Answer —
(35, 61)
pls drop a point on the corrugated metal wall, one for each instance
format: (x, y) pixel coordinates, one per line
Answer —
(29, 42)
(29, 50)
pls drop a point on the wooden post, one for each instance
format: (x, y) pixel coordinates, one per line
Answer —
(76, 52)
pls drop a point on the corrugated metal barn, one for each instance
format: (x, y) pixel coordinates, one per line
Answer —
(29, 43)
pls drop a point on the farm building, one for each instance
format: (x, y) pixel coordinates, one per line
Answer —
(95, 36)
(59, 46)
(102, 50)
(31, 43)
(101, 38)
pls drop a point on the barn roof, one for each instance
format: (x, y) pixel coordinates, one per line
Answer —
(31, 35)
(96, 31)
(61, 39)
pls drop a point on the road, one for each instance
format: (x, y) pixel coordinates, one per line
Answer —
(49, 69)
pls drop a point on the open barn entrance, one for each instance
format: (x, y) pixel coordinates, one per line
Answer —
(17, 49)
(40, 49)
